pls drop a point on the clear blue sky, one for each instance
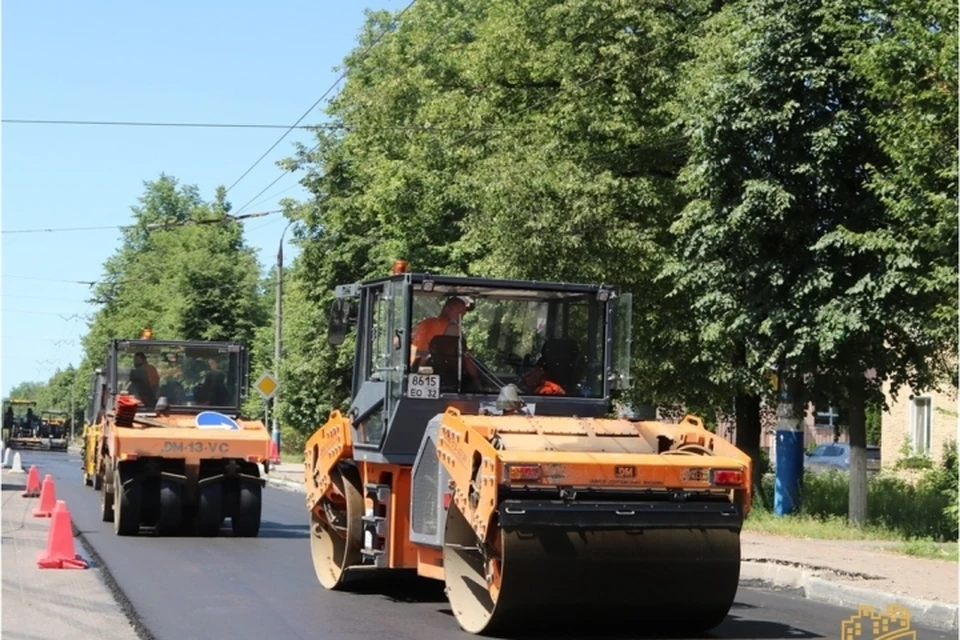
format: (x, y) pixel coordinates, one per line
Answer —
(230, 62)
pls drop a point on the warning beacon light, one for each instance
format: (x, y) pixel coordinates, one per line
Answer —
(400, 266)
(146, 334)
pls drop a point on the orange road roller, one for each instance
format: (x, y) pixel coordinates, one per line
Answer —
(479, 450)
(172, 450)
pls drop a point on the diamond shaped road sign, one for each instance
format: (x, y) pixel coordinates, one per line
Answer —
(267, 385)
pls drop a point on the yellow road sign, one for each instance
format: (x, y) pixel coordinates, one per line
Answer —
(267, 385)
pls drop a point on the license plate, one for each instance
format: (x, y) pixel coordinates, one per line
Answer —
(423, 387)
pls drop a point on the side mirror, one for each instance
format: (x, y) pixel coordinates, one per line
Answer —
(339, 321)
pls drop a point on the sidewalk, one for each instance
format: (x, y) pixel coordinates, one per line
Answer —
(49, 603)
(848, 573)
(851, 573)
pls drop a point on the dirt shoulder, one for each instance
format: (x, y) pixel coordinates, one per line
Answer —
(863, 563)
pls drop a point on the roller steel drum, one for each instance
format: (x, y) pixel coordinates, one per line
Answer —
(681, 578)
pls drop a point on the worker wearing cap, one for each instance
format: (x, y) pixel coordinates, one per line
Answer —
(445, 324)
(536, 382)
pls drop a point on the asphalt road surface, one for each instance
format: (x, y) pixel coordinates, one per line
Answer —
(221, 588)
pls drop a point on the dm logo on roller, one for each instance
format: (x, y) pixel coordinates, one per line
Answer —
(214, 420)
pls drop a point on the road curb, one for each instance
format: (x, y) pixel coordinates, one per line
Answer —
(929, 613)
(288, 485)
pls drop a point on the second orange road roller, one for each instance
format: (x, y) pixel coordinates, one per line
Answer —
(479, 450)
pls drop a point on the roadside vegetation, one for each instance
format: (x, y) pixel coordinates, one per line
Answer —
(915, 507)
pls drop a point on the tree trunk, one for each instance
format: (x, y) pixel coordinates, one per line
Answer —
(747, 435)
(858, 453)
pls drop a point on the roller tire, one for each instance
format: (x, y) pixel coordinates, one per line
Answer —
(127, 501)
(170, 516)
(246, 520)
(333, 553)
(209, 515)
(106, 500)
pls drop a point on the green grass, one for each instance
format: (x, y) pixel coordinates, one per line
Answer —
(291, 458)
(837, 528)
(928, 549)
(896, 509)
(820, 528)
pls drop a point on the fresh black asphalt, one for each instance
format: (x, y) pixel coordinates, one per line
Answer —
(263, 588)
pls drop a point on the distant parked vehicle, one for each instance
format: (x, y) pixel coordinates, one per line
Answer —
(836, 456)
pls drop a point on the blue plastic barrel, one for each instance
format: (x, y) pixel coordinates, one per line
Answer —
(789, 472)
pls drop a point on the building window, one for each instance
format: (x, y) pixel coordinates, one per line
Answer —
(826, 418)
(920, 423)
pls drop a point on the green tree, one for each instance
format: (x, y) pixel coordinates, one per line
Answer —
(183, 270)
(790, 253)
(508, 141)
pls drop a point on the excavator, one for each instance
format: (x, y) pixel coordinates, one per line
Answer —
(481, 449)
(172, 450)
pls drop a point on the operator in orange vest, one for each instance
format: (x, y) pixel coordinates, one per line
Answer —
(445, 324)
(536, 382)
(144, 379)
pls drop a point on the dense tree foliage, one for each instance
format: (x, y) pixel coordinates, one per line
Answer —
(775, 182)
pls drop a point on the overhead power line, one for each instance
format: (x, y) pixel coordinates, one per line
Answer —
(318, 101)
(158, 225)
(122, 123)
(306, 127)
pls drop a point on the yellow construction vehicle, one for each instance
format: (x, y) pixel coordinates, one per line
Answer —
(92, 418)
(479, 449)
(173, 452)
(21, 424)
(54, 429)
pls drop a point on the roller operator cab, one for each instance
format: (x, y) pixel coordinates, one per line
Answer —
(477, 450)
(173, 452)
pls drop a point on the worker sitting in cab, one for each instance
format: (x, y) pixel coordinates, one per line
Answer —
(144, 379)
(447, 323)
(535, 381)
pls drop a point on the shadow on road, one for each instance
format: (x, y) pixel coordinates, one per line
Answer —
(277, 530)
(13, 487)
(732, 627)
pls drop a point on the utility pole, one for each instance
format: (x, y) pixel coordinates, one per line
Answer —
(278, 335)
(73, 405)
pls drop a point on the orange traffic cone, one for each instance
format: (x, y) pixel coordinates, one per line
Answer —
(48, 498)
(33, 483)
(60, 552)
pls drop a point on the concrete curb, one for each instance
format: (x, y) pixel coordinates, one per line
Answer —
(938, 615)
(809, 582)
(288, 485)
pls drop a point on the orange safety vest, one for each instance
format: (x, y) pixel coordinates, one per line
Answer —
(550, 389)
(428, 329)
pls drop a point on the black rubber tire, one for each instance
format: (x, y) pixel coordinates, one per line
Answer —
(106, 500)
(170, 513)
(209, 516)
(246, 520)
(126, 500)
